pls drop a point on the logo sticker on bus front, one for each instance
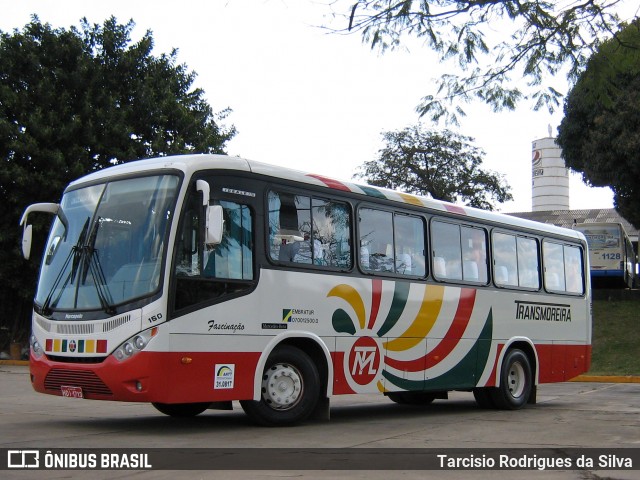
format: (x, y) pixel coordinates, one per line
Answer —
(224, 374)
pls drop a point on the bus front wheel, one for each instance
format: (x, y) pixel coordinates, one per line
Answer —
(516, 382)
(290, 389)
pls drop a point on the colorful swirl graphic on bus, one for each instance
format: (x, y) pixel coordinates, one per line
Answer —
(416, 338)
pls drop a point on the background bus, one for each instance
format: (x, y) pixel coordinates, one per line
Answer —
(612, 258)
(194, 281)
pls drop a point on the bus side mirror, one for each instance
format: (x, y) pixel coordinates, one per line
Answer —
(27, 234)
(214, 226)
(214, 222)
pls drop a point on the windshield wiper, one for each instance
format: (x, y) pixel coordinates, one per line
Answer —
(75, 253)
(84, 259)
(91, 261)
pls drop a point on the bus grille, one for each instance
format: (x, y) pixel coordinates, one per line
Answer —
(58, 358)
(88, 381)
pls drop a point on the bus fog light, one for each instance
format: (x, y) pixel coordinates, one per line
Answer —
(138, 385)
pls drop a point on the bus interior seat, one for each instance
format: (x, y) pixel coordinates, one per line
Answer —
(552, 281)
(403, 263)
(502, 274)
(439, 267)
(471, 270)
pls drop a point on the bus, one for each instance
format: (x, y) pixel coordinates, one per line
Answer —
(611, 255)
(191, 282)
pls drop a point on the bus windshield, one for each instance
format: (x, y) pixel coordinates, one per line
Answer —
(112, 252)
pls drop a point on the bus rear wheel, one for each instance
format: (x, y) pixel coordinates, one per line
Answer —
(290, 389)
(516, 381)
(181, 409)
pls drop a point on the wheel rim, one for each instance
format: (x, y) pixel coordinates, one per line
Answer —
(516, 379)
(282, 386)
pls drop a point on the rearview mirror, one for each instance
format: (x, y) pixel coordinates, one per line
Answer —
(214, 222)
(27, 234)
(215, 225)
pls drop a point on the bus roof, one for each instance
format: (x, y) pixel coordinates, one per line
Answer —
(193, 163)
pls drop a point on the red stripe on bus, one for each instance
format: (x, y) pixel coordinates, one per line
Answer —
(491, 381)
(456, 330)
(448, 342)
(376, 296)
(340, 384)
(330, 182)
(454, 209)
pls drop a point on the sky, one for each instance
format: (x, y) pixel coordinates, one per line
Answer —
(308, 99)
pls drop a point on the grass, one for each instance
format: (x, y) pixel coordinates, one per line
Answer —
(616, 337)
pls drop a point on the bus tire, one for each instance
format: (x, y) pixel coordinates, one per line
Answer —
(483, 397)
(181, 409)
(412, 398)
(290, 389)
(516, 381)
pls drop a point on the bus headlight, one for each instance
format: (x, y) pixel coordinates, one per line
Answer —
(134, 344)
(36, 348)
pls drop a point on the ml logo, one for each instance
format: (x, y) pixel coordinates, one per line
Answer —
(364, 360)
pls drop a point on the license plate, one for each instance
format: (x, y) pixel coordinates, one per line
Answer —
(71, 392)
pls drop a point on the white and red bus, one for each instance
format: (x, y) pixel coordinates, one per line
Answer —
(194, 281)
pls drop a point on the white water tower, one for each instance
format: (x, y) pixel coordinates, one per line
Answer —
(550, 190)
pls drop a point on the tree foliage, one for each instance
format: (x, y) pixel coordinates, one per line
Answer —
(496, 44)
(599, 132)
(77, 100)
(443, 165)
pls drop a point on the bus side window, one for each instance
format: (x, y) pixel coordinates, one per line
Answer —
(474, 254)
(376, 238)
(233, 257)
(528, 263)
(573, 269)
(309, 230)
(563, 268)
(409, 245)
(554, 274)
(445, 241)
(505, 263)
(205, 273)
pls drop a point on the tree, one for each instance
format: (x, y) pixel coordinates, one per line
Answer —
(495, 43)
(599, 132)
(77, 100)
(443, 165)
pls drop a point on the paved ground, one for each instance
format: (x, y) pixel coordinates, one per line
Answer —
(568, 415)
